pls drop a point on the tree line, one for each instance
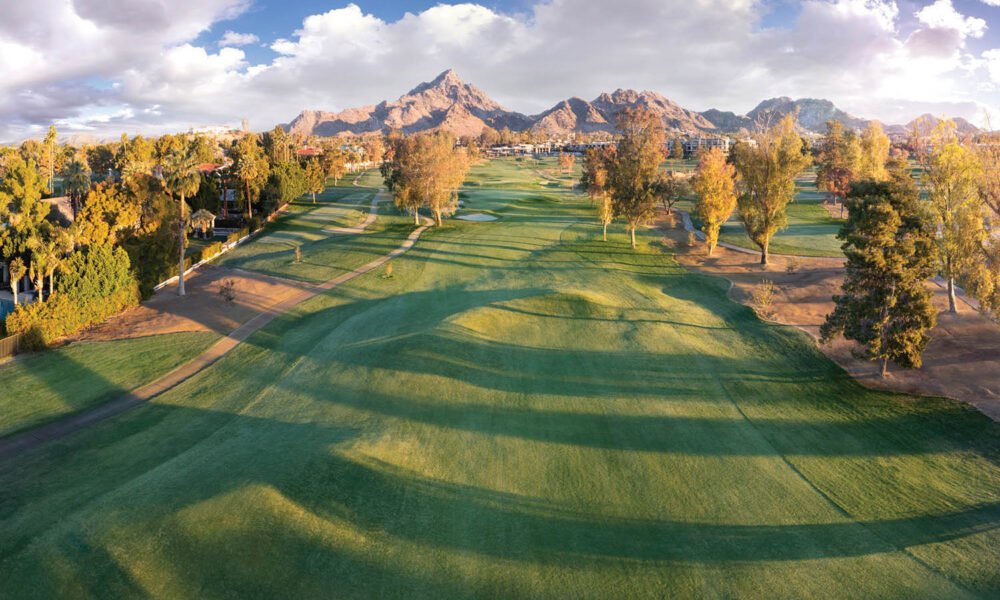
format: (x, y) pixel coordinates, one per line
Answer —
(131, 204)
(897, 235)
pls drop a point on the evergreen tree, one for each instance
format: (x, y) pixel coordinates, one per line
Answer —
(891, 252)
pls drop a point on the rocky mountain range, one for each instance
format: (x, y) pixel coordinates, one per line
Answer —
(449, 103)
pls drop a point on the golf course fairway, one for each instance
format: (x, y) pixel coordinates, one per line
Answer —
(519, 410)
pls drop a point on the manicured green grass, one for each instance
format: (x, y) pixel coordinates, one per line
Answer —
(811, 230)
(324, 255)
(47, 385)
(520, 411)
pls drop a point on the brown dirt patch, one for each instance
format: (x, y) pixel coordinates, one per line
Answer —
(834, 209)
(961, 362)
(202, 308)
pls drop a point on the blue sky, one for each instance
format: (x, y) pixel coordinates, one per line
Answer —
(101, 67)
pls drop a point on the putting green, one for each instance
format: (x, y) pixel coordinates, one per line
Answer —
(519, 411)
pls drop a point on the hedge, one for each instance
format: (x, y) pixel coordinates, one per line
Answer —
(96, 283)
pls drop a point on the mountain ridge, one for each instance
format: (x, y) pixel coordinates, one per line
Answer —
(447, 102)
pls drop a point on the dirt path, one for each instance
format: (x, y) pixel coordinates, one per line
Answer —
(961, 362)
(18, 444)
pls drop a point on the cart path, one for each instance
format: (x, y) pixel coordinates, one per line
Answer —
(380, 196)
(21, 443)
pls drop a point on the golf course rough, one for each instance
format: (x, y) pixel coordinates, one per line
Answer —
(520, 411)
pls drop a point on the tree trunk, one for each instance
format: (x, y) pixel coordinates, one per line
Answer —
(52, 283)
(40, 287)
(952, 303)
(249, 204)
(314, 197)
(437, 215)
(711, 248)
(632, 233)
(13, 286)
(180, 242)
(605, 232)
(885, 367)
(763, 254)
(416, 216)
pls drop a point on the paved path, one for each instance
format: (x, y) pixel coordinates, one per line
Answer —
(380, 196)
(18, 444)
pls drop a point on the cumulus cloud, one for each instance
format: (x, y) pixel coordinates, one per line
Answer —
(232, 38)
(942, 15)
(715, 55)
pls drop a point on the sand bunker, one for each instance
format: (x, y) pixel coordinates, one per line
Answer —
(477, 217)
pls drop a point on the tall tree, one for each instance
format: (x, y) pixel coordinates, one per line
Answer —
(374, 149)
(634, 173)
(315, 178)
(77, 183)
(181, 179)
(767, 171)
(426, 171)
(47, 160)
(21, 206)
(276, 143)
(952, 181)
(136, 160)
(333, 160)
(838, 162)
(874, 154)
(566, 161)
(107, 213)
(715, 185)
(671, 188)
(594, 179)
(17, 270)
(885, 305)
(677, 149)
(251, 168)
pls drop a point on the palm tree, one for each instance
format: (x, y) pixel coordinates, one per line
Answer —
(17, 272)
(77, 177)
(181, 179)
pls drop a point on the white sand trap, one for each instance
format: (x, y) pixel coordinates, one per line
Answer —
(477, 217)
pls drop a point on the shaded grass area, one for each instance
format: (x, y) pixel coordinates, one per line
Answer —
(520, 411)
(47, 385)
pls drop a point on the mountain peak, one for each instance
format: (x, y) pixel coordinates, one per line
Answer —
(446, 80)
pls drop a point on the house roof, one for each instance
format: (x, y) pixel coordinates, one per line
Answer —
(208, 167)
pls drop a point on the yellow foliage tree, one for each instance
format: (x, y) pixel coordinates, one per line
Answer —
(715, 185)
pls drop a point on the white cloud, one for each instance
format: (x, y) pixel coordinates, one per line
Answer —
(711, 53)
(232, 38)
(942, 15)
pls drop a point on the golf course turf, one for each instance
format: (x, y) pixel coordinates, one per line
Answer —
(519, 410)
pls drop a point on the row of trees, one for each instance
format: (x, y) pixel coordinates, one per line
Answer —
(893, 240)
(134, 198)
(626, 181)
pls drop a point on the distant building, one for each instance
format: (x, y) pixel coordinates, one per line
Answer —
(694, 145)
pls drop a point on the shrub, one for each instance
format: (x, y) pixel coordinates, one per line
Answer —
(227, 289)
(97, 282)
(692, 239)
(792, 265)
(762, 298)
